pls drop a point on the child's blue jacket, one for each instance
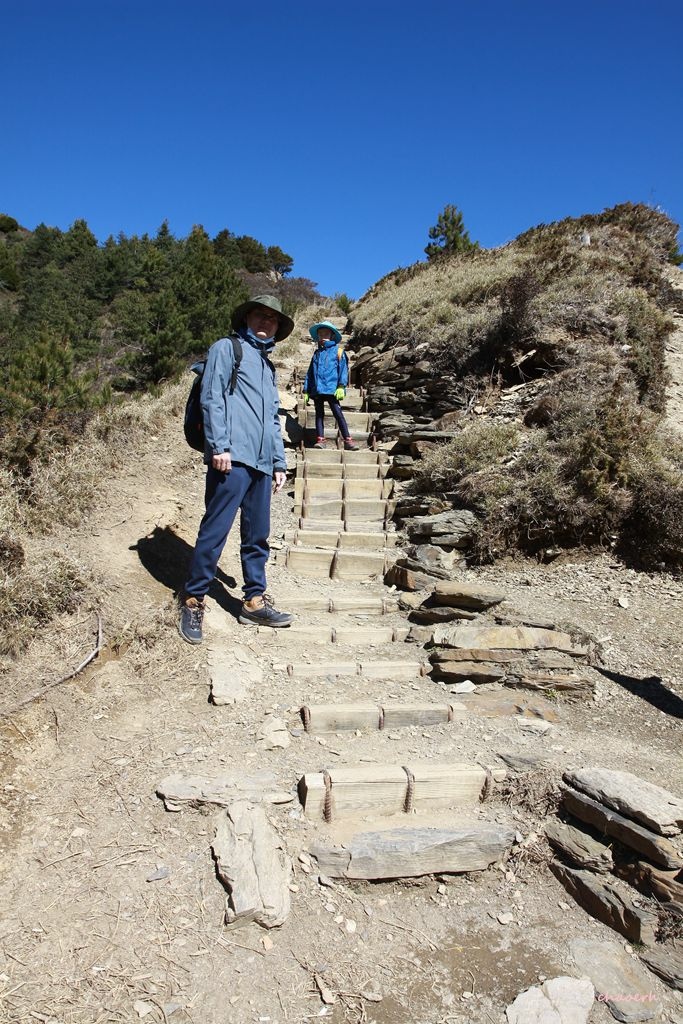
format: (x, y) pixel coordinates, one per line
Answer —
(327, 371)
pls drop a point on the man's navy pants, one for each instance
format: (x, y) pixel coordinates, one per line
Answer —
(250, 490)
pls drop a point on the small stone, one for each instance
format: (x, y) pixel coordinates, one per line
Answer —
(326, 881)
(142, 1008)
(466, 686)
(467, 995)
(267, 943)
(350, 925)
(506, 918)
(158, 875)
(442, 890)
(624, 602)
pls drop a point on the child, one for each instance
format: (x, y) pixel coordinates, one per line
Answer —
(326, 381)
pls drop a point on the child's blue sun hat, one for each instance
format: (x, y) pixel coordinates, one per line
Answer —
(313, 331)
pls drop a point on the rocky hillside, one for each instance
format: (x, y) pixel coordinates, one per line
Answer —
(526, 385)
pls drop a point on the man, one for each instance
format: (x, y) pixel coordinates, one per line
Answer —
(244, 454)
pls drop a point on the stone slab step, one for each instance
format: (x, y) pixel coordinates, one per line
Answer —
(389, 670)
(361, 604)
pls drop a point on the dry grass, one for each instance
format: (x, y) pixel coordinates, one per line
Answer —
(59, 493)
(588, 324)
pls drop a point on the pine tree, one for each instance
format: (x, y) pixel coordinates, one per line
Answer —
(449, 235)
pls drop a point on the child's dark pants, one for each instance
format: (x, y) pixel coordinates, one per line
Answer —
(319, 402)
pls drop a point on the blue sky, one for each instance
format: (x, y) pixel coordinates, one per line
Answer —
(338, 131)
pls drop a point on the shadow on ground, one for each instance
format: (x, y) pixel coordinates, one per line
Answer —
(651, 689)
(166, 557)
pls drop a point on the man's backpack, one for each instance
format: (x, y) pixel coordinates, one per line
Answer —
(193, 424)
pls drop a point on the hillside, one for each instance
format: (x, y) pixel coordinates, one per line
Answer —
(539, 368)
(112, 902)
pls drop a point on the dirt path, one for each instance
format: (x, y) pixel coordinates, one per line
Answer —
(111, 906)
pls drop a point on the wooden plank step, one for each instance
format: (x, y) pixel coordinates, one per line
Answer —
(353, 489)
(307, 488)
(357, 421)
(363, 604)
(393, 670)
(365, 455)
(310, 470)
(378, 541)
(367, 715)
(353, 636)
(366, 509)
(358, 565)
(322, 509)
(323, 455)
(316, 561)
(385, 789)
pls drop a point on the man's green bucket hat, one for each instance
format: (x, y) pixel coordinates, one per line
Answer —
(313, 331)
(271, 302)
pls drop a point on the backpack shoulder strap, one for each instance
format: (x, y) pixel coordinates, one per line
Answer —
(340, 353)
(237, 353)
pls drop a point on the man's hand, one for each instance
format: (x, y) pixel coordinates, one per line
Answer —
(222, 462)
(279, 479)
(339, 394)
(306, 399)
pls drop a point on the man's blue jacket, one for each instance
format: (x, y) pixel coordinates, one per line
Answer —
(244, 423)
(327, 371)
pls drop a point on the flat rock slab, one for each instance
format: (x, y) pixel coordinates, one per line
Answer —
(619, 980)
(469, 654)
(252, 864)
(410, 852)
(429, 616)
(557, 1001)
(580, 848)
(511, 638)
(635, 798)
(232, 681)
(656, 848)
(478, 671)
(607, 904)
(667, 963)
(274, 734)
(466, 595)
(179, 791)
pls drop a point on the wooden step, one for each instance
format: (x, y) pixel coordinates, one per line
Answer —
(419, 786)
(351, 526)
(309, 488)
(311, 561)
(352, 635)
(341, 470)
(367, 715)
(358, 565)
(358, 422)
(366, 509)
(372, 541)
(361, 604)
(367, 489)
(389, 670)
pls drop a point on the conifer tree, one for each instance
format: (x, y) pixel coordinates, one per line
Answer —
(448, 235)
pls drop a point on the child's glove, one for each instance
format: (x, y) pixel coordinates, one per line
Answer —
(306, 399)
(339, 394)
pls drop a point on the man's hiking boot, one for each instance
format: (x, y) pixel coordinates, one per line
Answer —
(319, 442)
(191, 618)
(350, 445)
(260, 611)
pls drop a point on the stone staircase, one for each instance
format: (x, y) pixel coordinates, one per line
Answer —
(343, 504)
